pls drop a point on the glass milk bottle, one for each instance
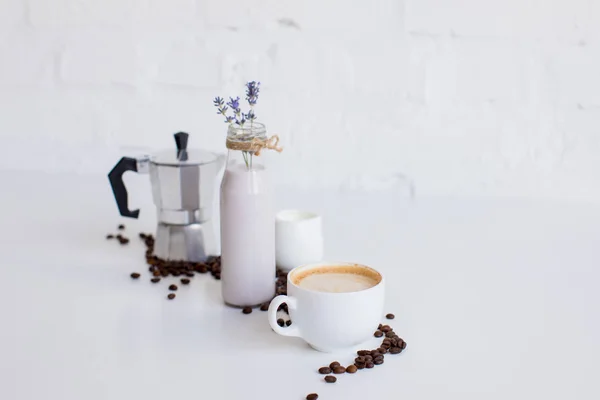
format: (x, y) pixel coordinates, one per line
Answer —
(247, 220)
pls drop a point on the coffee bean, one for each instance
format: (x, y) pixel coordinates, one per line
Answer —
(339, 370)
(280, 322)
(171, 296)
(390, 335)
(185, 281)
(360, 366)
(110, 236)
(176, 274)
(351, 369)
(247, 310)
(155, 280)
(390, 316)
(330, 379)
(121, 227)
(395, 350)
(378, 361)
(135, 275)
(164, 274)
(173, 287)
(368, 358)
(385, 328)
(375, 354)
(369, 365)
(379, 326)
(123, 240)
(324, 370)
(403, 345)
(363, 352)
(142, 235)
(264, 307)
(382, 350)
(312, 396)
(378, 334)
(288, 322)
(334, 364)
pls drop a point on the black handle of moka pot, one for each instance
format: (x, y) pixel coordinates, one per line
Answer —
(181, 140)
(115, 176)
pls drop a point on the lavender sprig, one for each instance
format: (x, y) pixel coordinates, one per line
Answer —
(221, 107)
(252, 89)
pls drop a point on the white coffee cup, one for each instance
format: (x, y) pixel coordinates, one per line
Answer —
(330, 321)
(298, 239)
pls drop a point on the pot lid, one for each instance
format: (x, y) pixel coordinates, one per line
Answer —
(181, 156)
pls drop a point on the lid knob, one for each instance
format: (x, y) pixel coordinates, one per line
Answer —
(181, 140)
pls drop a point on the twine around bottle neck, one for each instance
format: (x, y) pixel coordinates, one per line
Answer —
(256, 145)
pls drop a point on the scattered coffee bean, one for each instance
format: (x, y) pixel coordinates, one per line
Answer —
(339, 370)
(264, 307)
(121, 227)
(390, 316)
(135, 275)
(360, 366)
(185, 281)
(334, 364)
(395, 350)
(312, 396)
(324, 370)
(403, 346)
(330, 379)
(155, 280)
(351, 369)
(378, 362)
(378, 334)
(123, 240)
(142, 235)
(368, 357)
(280, 322)
(288, 322)
(363, 352)
(173, 287)
(382, 350)
(247, 310)
(369, 365)
(110, 236)
(385, 328)
(171, 296)
(390, 334)
(360, 360)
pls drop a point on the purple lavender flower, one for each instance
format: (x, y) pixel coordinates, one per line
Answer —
(250, 116)
(252, 89)
(234, 103)
(238, 117)
(221, 107)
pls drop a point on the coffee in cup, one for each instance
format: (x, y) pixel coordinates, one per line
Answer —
(337, 279)
(333, 306)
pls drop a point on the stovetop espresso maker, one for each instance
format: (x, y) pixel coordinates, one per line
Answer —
(183, 183)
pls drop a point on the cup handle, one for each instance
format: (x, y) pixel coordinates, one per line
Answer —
(291, 330)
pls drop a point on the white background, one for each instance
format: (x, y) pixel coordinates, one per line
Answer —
(480, 97)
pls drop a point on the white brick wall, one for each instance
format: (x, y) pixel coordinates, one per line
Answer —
(481, 97)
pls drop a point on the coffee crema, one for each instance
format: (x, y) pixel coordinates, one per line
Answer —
(337, 278)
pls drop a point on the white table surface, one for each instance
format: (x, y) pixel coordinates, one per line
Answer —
(496, 298)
